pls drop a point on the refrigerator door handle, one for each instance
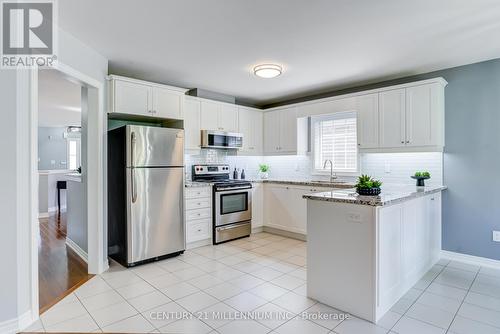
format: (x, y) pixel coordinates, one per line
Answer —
(132, 185)
(132, 148)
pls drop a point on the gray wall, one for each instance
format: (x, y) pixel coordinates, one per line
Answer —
(471, 205)
(77, 214)
(52, 146)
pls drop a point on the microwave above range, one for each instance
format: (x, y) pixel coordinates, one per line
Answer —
(221, 139)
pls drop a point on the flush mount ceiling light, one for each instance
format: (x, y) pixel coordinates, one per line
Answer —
(267, 70)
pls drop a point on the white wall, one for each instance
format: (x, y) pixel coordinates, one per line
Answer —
(8, 192)
(15, 174)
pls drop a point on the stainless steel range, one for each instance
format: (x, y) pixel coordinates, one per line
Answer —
(232, 202)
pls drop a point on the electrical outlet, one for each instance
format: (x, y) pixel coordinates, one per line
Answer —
(354, 217)
(387, 167)
(496, 236)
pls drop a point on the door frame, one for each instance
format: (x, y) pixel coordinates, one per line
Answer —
(96, 175)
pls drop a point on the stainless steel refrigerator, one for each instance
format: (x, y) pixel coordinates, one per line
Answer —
(145, 193)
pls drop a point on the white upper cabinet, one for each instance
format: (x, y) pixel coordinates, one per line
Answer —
(130, 98)
(228, 118)
(424, 121)
(392, 118)
(288, 130)
(167, 103)
(367, 121)
(271, 132)
(192, 128)
(141, 98)
(210, 115)
(412, 117)
(250, 125)
(284, 133)
(219, 116)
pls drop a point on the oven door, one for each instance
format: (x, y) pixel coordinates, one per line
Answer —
(232, 206)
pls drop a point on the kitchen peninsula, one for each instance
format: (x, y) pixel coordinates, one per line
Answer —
(365, 252)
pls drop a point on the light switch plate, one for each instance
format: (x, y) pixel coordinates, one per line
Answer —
(496, 236)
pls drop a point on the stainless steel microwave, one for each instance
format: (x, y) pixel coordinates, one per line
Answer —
(221, 139)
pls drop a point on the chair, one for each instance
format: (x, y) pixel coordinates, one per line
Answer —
(60, 185)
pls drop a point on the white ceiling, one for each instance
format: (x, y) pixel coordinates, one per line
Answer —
(59, 100)
(322, 44)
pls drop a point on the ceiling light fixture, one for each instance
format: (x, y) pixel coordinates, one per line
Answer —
(267, 70)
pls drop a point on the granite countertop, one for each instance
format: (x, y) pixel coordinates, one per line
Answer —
(193, 184)
(76, 177)
(326, 184)
(389, 195)
(339, 185)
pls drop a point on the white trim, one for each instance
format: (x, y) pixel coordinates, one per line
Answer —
(181, 90)
(284, 232)
(199, 243)
(95, 182)
(438, 80)
(43, 215)
(17, 324)
(477, 260)
(54, 208)
(78, 250)
(9, 326)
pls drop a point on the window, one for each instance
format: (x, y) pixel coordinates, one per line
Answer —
(73, 153)
(334, 138)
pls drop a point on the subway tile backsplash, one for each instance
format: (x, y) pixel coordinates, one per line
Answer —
(391, 168)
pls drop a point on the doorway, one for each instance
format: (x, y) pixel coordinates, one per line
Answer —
(92, 173)
(62, 204)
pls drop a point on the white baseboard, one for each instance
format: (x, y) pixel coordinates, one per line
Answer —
(477, 260)
(43, 215)
(17, 324)
(285, 233)
(54, 208)
(257, 229)
(199, 243)
(81, 253)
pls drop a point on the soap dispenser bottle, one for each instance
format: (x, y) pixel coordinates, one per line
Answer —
(235, 174)
(242, 174)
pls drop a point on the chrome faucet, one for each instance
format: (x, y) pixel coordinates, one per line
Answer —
(333, 176)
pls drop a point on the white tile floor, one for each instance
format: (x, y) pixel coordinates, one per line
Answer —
(265, 273)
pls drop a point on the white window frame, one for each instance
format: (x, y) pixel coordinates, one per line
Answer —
(78, 152)
(338, 172)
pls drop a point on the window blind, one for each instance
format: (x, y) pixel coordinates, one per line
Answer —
(335, 138)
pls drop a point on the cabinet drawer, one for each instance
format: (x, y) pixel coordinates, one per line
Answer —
(197, 192)
(197, 232)
(198, 203)
(198, 214)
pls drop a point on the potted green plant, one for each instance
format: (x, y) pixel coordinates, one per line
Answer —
(421, 177)
(367, 186)
(264, 171)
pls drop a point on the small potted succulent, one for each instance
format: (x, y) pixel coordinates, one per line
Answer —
(264, 171)
(367, 186)
(420, 177)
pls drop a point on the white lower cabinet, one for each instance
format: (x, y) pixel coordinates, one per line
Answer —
(409, 243)
(376, 254)
(284, 207)
(198, 212)
(257, 205)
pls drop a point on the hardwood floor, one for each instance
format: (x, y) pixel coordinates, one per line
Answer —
(60, 269)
